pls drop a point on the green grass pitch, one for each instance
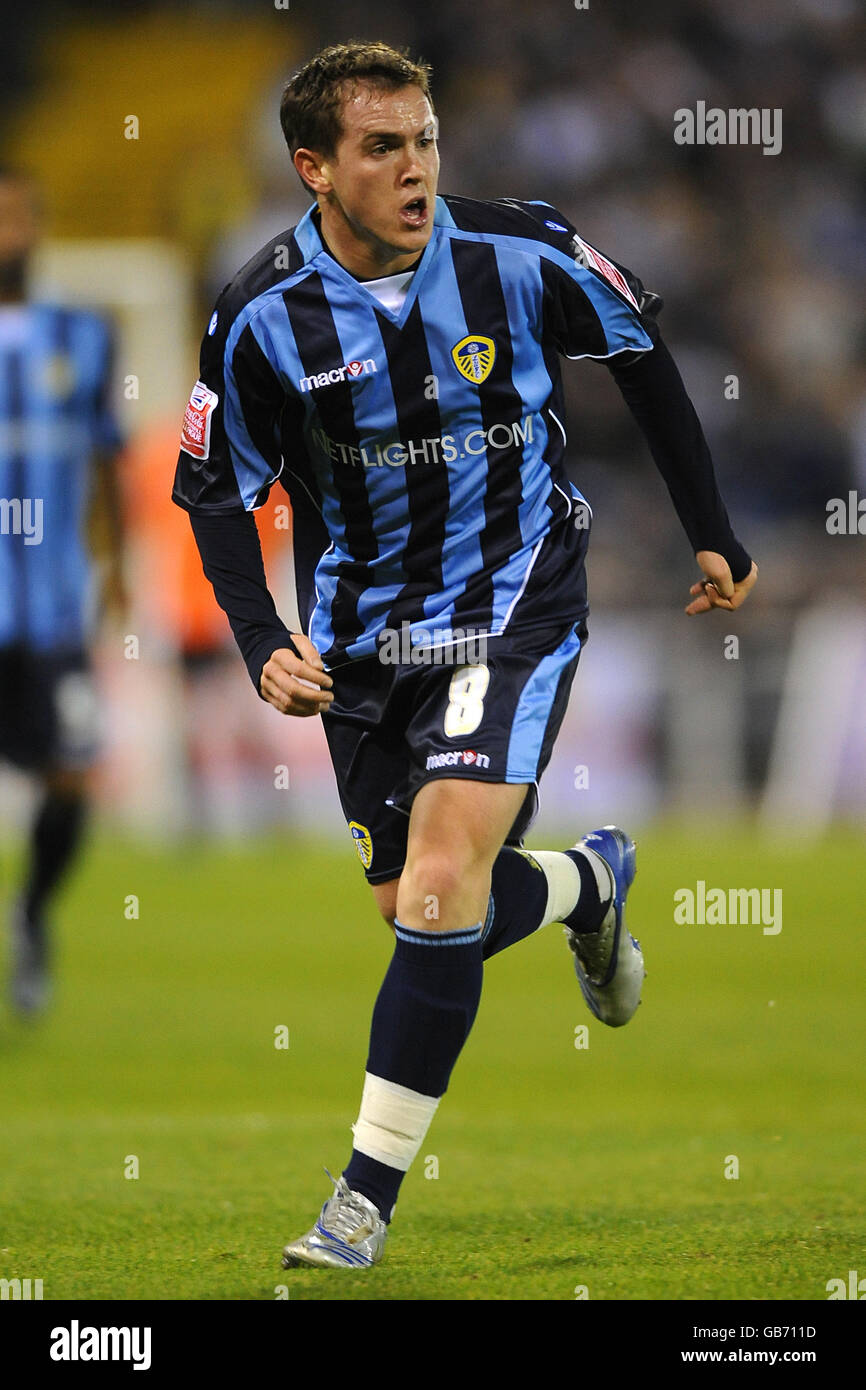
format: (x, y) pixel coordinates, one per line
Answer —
(560, 1168)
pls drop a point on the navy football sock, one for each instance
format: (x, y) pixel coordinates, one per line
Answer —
(54, 839)
(377, 1181)
(528, 889)
(425, 1009)
(592, 905)
(518, 897)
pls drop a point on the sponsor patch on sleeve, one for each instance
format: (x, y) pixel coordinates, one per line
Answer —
(587, 255)
(195, 436)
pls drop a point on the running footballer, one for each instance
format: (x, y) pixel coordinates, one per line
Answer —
(394, 360)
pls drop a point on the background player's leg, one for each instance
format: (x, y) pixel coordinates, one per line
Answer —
(430, 994)
(55, 838)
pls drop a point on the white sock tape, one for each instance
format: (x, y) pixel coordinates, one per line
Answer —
(393, 1121)
(563, 883)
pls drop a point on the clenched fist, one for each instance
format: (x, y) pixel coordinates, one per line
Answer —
(296, 685)
(717, 589)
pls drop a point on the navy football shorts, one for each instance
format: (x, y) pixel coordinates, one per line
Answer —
(393, 728)
(48, 709)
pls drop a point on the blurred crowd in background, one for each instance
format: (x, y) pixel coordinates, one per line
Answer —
(760, 259)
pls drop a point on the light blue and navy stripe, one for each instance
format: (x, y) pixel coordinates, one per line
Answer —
(466, 936)
(465, 535)
(55, 422)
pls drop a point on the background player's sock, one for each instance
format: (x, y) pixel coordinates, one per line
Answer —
(425, 1009)
(54, 839)
(529, 890)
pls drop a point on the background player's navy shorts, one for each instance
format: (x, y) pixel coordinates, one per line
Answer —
(392, 728)
(47, 709)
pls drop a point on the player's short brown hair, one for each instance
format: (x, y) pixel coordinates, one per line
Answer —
(312, 103)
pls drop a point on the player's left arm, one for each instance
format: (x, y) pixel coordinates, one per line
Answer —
(653, 389)
(594, 307)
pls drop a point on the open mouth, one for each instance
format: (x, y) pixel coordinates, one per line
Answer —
(414, 214)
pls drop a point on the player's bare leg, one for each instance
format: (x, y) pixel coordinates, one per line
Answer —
(456, 829)
(386, 899)
(584, 888)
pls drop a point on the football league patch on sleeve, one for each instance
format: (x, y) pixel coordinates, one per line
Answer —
(587, 256)
(195, 436)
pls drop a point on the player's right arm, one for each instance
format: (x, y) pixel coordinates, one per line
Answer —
(229, 457)
(283, 673)
(278, 660)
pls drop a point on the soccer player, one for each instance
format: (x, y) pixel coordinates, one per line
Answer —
(394, 360)
(58, 446)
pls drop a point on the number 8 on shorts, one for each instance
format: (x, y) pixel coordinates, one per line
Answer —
(466, 700)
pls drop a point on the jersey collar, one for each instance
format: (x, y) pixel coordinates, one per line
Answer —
(310, 245)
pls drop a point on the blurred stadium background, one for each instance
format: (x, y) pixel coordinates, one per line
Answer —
(762, 264)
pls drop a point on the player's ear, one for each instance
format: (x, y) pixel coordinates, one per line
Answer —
(312, 170)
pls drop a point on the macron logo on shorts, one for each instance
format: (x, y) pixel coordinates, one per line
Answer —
(195, 436)
(468, 757)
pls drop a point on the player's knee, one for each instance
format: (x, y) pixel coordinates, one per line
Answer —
(433, 877)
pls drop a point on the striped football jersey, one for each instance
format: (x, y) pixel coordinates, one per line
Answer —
(423, 448)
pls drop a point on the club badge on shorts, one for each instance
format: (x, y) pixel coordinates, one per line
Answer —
(474, 357)
(363, 842)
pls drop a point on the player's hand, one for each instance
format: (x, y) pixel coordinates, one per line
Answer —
(283, 676)
(717, 589)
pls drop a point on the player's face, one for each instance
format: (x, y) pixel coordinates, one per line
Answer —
(19, 230)
(384, 174)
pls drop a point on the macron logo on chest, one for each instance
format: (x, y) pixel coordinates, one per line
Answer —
(348, 372)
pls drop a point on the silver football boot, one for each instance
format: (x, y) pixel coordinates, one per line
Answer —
(609, 962)
(349, 1234)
